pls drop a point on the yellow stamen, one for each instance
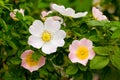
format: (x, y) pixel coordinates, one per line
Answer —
(82, 52)
(30, 61)
(46, 36)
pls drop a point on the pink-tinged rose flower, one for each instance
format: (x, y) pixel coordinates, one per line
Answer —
(29, 63)
(68, 11)
(44, 14)
(96, 3)
(81, 51)
(13, 14)
(57, 18)
(98, 15)
(47, 36)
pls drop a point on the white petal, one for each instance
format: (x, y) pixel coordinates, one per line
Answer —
(36, 28)
(52, 25)
(49, 48)
(58, 38)
(59, 35)
(58, 8)
(59, 43)
(77, 15)
(68, 12)
(35, 41)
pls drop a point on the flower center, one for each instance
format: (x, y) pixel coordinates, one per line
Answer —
(30, 61)
(46, 36)
(82, 52)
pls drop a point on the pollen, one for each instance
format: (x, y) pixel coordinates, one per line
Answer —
(82, 53)
(46, 36)
(30, 61)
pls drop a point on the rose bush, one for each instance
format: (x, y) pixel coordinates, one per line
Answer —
(59, 40)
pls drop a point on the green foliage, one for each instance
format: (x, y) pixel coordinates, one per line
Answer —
(102, 50)
(99, 62)
(104, 35)
(71, 69)
(115, 61)
(110, 74)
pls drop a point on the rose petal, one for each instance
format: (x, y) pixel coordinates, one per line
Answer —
(35, 41)
(74, 59)
(36, 28)
(52, 25)
(86, 42)
(49, 48)
(24, 54)
(74, 46)
(92, 54)
(77, 15)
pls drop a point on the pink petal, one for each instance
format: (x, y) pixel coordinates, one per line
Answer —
(40, 64)
(24, 64)
(86, 42)
(73, 47)
(74, 59)
(97, 14)
(25, 53)
(41, 61)
(92, 54)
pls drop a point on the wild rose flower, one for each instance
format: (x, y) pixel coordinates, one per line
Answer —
(13, 14)
(30, 64)
(57, 18)
(98, 15)
(68, 11)
(81, 51)
(44, 14)
(96, 3)
(47, 36)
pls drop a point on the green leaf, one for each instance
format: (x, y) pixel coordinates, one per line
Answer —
(113, 74)
(115, 61)
(82, 68)
(116, 34)
(43, 73)
(49, 66)
(12, 44)
(15, 60)
(96, 23)
(71, 69)
(1, 3)
(19, 15)
(101, 50)
(99, 62)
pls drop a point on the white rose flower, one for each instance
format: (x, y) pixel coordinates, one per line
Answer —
(47, 36)
(68, 11)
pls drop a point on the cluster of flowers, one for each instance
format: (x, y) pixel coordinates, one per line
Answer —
(48, 37)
